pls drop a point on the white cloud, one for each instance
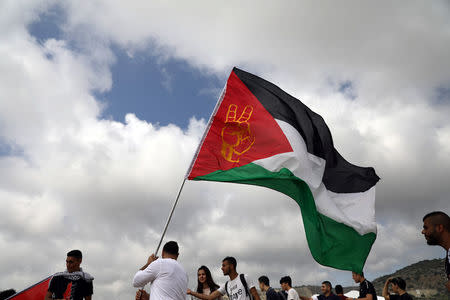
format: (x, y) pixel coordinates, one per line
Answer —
(106, 187)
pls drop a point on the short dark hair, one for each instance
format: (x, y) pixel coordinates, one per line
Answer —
(326, 282)
(264, 279)
(171, 247)
(338, 289)
(438, 218)
(75, 253)
(286, 279)
(231, 260)
(400, 282)
(7, 293)
(359, 273)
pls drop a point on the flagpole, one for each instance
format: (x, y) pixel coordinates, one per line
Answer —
(170, 217)
(192, 164)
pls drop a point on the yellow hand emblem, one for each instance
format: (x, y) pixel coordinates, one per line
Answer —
(237, 137)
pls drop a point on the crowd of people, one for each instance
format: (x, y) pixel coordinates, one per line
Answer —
(436, 230)
(169, 280)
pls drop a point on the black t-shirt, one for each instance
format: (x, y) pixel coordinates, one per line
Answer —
(80, 288)
(271, 294)
(331, 297)
(366, 287)
(405, 296)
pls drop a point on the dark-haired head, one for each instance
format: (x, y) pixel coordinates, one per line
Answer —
(265, 280)
(171, 248)
(338, 289)
(75, 253)
(6, 293)
(438, 218)
(399, 282)
(328, 284)
(73, 261)
(204, 271)
(286, 279)
(231, 260)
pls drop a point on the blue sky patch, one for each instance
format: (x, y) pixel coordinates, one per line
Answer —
(172, 92)
(163, 93)
(48, 25)
(346, 88)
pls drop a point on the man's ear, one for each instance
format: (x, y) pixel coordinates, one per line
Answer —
(440, 227)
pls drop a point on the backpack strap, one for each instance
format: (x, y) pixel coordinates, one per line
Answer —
(226, 289)
(244, 283)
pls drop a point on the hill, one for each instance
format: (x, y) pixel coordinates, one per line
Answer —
(424, 280)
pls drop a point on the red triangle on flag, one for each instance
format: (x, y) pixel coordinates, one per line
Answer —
(36, 291)
(241, 131)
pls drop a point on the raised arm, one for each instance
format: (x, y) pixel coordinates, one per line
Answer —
(211, 296)
(386, 289)
(147, 273)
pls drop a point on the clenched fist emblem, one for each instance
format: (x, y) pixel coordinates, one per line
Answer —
(237, 137)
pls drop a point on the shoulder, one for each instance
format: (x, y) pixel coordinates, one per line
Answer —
(56, 280)
(292, 291)
(406, 296)
(87, 277)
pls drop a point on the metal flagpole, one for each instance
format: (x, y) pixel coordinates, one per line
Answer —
(167, 224)
(170, 217)
(222, 95)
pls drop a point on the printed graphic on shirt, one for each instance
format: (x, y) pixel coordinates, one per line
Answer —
(235, 292)
(235, 288)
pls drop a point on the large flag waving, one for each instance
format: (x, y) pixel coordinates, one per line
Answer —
(261, 135)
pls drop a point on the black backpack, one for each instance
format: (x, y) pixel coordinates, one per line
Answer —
(244, 283)
(282, 295)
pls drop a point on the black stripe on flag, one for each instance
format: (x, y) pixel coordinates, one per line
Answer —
(340, 176)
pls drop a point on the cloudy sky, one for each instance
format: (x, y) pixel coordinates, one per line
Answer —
(103, 104)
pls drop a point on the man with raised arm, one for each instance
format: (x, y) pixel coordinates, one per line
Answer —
(166, 275)
(398, 286)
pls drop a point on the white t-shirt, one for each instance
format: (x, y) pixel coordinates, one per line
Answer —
(168, 279)
(236, 289)
(293, 295)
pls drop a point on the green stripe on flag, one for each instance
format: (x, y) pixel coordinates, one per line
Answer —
(331, 243)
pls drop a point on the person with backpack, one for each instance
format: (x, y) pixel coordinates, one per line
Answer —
(239, 287)
(286, 285)
(271, 294)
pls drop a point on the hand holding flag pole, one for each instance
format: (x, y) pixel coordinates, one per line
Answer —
(153, 257)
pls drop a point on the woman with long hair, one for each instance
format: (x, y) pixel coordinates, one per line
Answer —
(205, 282)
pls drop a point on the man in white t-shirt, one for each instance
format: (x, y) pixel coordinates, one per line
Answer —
(286, 285)
(239, 287)
(167, 277)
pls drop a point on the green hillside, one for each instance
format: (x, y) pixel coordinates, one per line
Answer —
(424, 280)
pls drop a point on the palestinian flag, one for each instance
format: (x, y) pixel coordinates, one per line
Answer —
(36, 291)
(260, 135)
